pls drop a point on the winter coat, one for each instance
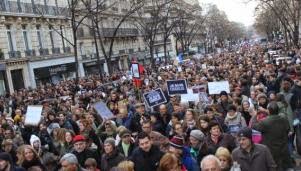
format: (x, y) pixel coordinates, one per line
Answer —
(224, 140)
(188, 161)
(274, 130)
(146, 161)
(259, 158)
(87, 153)
(131, 148)
(109, 161)
(235, 123)
(296, 98)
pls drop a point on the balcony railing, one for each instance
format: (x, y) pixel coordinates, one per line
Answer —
(44, 52)
(109, 32)
(67, 50)
(14, 54)
(29, 53)
(56, 51)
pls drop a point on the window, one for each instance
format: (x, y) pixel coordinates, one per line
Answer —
(39, 34)
(51, 36)
(10, 38)
(81, 48)
(25, 37)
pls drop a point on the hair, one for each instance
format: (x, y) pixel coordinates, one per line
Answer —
(210, 157)
(143, 135)
(91, 162)
(224, 152)
(232, 107)
(168, 161)
(61, 133)
(70, 158)
(126, 165)
(280, 98)
(273, 108)
(21, 151)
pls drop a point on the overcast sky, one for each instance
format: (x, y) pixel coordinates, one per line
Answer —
(237, 10)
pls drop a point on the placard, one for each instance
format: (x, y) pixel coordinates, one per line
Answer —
(102, 109)
(218, 87)
(189, 97)
(33, 115)
(176, 87)
(135, 70)
(154, 98)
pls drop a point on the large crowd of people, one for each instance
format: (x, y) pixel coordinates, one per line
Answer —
(253, 127)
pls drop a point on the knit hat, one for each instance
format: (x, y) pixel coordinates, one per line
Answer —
(245, 132)
(34, 138)
(197, 134)
(124, 132)
(78, 138)
(177, 142)
(110, 141)
(5, 156)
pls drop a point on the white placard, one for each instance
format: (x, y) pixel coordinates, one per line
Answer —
(217, 87)
(204, 66)
(135, 70)
(33, 115)
(189, 97)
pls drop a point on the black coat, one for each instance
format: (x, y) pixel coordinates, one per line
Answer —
(87, 153)
(146, 161)
(109, 161)
(131, 148)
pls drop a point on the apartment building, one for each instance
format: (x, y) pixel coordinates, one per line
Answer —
(33, 49)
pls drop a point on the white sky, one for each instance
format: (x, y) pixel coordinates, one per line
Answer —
(236, 10)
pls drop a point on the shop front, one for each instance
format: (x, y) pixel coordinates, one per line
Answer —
(93, 68)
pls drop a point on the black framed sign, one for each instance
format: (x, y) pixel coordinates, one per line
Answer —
(154, 97)
(176, 87)
(135, 70)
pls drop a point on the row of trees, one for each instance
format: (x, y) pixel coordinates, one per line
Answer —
(153, 18)
(279, 16)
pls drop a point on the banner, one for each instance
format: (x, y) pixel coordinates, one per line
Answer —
(33, 115)
(218, 87)
(102, 109)
(176, 87)
(154, 98)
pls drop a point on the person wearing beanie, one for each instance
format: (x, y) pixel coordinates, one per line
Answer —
(198, 146)
(35, 142)
(126, 146)
(261, 156)
(81, 150)
(111, 157)
(273, 129)
(223, 103)
(7, 164)
(176, 146)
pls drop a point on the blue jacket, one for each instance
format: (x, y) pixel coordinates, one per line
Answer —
(188, 161)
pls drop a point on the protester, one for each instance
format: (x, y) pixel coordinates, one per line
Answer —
(224, 156)
(211, 162)
(111, 157)
(70, 162)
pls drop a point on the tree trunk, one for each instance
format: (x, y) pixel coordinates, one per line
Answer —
(97, 52)
(165, 50)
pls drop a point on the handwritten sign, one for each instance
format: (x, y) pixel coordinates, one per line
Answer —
(102, 109)
(189, 97)
(154, 98)
(217, 87)
(176, 87)
(135, 70)
(33, 115)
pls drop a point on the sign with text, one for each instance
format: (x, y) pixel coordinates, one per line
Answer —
(33, 115)
(176, 87)
(218, 87)
(135, 70)
(154, 98)
(189, 97)
(102, 109)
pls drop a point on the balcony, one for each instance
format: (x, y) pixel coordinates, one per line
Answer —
(14, 54)
(121, 32)
(84, 57)
(67, 50)
(56, 51)
(29, 53)
(131, 51)
(121, 52)
(44, 52)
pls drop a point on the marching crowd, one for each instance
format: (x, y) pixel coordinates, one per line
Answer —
(254, 127)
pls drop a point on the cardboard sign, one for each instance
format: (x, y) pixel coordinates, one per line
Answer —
(135, 70)
(176, 87)
(189, 97)
(33, 115)
(204, 98)
(154, 98)
(217, 87)
(199, 89)
(102, 109)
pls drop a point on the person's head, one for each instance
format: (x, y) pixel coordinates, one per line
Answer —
(9, 133)
(147, 126)
(262, 99)
(69, 136)
(5, 161)
(231, 110)
(245, 138)
(79, 143)
(125, 136)
(175, 117)
(29, 153)
(35, 142)
(273, 108)
(214, 128)
(210, 163)
(163, 109)
(209, 111)
(204, 121)
(69, 162)
(126, 165)
(144, 141)
(169, 162)
(140, 108)
(245, 105)
(62, 117)
(189, 115)
(178, 128)
(224, 156)
(196, 137)
(91, 164)
(286, 84)
(109, 145)
(176, 145)
(7, 145)
(224, 96)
